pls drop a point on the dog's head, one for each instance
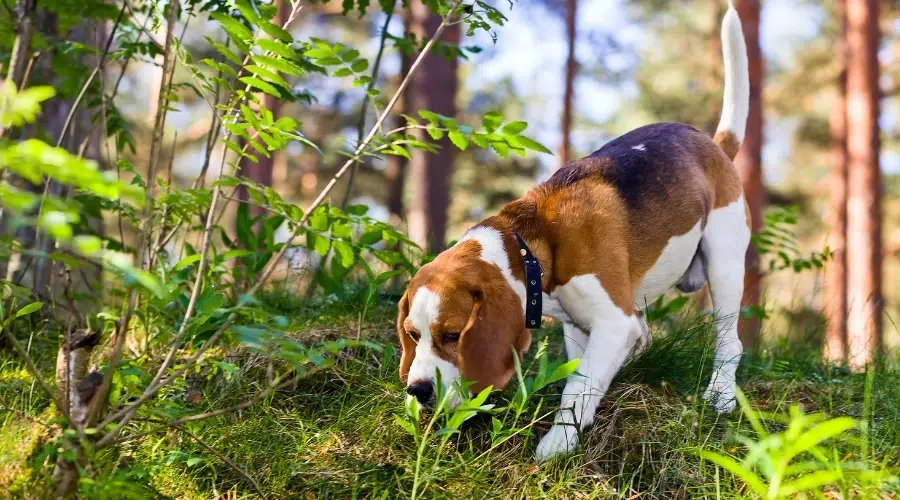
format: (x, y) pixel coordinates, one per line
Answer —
(459, 317)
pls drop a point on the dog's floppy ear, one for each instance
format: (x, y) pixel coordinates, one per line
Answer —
(406, 342)
(495, 326)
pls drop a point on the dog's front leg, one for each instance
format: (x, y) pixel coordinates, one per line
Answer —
(612, 335)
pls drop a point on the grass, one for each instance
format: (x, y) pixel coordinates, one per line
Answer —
(334, 434)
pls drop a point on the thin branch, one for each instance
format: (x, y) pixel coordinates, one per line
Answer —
(361, 126)
(155, 146)
(127, 413)
(223, 458)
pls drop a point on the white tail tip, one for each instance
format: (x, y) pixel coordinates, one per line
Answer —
(736, 101)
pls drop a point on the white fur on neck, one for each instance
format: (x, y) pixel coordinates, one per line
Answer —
(493, 251)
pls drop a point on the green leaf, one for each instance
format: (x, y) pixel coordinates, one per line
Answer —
(341, 72)
(458, 139)
(564, 370)
(360, 65)
(277, 64)
(187, 261)
(25, 311)
(810, 482)
(267, 75)
(514, 128)
(320, 53)
(318, 243)
(492, 120)
(276, 31)
(345, 252)
(405, 425)
(276, 47)
(236, 30)
(261, 85)
(87, 244)
(731, 465)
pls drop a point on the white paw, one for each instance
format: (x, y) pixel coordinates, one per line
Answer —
(721, 395)
(560, 440)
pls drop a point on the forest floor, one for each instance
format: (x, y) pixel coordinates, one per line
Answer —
(335, 434)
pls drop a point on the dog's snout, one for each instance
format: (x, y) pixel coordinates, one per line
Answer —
(423, 390)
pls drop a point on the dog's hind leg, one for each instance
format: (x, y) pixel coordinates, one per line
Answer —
(724, 245)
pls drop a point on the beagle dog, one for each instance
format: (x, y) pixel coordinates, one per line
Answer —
(658, 207)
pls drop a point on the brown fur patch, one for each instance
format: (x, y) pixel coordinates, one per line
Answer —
(728, 142)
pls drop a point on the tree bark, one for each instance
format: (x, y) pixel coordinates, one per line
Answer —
(749, 165)
(864, 299)
(569, 95)
(433, 87)
(395, 171)
(835, 289)
(24, 25)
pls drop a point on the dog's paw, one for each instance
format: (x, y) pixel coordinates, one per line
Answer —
(721, 396)
(560, 440)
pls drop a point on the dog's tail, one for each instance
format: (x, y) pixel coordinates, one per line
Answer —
(736, 101)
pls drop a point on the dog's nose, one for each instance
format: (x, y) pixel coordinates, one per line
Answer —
(423, 390)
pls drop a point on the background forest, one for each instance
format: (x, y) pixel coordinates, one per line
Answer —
(209, 208)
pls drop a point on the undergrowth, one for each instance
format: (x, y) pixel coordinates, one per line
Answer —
(335, 433)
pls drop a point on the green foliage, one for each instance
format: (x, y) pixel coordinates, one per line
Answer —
(777, 240)
(802, 459)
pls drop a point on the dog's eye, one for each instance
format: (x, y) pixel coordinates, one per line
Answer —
(415, 336)
(451, 337)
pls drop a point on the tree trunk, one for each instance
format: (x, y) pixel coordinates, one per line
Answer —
(749, 164)
(835, 292)
(571, 70)
(433, 87)
(21, 51)
(395, 171)
(864, 300)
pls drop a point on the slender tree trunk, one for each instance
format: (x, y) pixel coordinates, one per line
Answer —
(433, 87)
(749, 164)
(835, 296)
(21, 51)
(864, 248)
(571, 70)
(395, 171)
(261, 171)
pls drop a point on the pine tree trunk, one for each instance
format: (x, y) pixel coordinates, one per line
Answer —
(571, 70)
(835, 292)
(395, 171)
(749, 164)
(432, 87)
(864, 248)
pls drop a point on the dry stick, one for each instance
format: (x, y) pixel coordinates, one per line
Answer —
(126, 414)
(223, 458)
(361, 126)
(155, 146)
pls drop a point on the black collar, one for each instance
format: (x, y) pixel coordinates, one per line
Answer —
(533, 288)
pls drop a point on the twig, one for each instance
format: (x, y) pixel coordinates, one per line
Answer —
(360, 127)
(143, 237)
(127, 413)
(275, 386)
(221, 457)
